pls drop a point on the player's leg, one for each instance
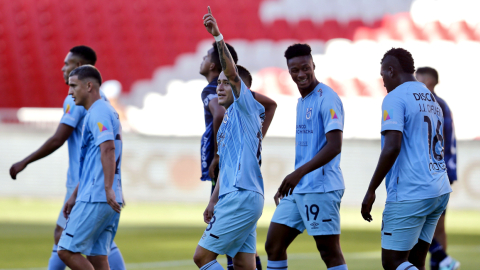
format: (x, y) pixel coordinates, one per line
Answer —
(402, 225)
(204, 257)
(330, 251)
(99, 262)
(445, 262)
(55, 263)
(75, 260)
(285, 226)
(440, 235)
(321, 215)
(396, 260)
(115, 258)
(244, 261)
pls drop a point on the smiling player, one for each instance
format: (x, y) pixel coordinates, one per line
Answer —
(311, 195)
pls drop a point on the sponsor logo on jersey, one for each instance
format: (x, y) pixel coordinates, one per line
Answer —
(68, 109)
(314, 225)
(333, 114)
(225, 117)
(309, 113)
(101, 127)
(386, 115)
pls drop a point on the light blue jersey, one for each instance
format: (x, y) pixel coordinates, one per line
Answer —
(240, 144)
(419, 171)
(318, 113)
(101, 124)
(73, 116)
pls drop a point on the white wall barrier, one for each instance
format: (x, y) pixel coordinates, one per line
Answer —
(168, 168)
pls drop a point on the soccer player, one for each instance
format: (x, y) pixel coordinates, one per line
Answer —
(311, 195)
(70, 128)
(412, 163)
(237, 202)
(213, 112)
(93, 209)
(439, 259)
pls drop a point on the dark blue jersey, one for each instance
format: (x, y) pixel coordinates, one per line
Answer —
(207, 148)
(450, 142)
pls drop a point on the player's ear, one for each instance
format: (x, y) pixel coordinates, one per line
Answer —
(314, 66)
(212, 66)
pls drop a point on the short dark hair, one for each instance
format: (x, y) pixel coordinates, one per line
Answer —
(245, 75)
(404, 57)
(87, 71)
(215, 58)
(298, 49)
(86, 53)
(429, 71)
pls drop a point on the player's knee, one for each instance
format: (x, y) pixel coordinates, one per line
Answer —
(64, 255)
(273, 249)
(199, 259)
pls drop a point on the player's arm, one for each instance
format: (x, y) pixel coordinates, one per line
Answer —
(53, 143)
(217, 112)
(228, 65)
(390, 152)
(107, 157)
(270, 107)
(332, 148)
(208, 213)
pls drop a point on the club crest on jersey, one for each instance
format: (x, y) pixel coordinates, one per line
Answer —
(225, 118)
(309, 113)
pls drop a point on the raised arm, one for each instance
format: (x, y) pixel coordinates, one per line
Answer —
(228, 65)
(51, 145)
(270, 107)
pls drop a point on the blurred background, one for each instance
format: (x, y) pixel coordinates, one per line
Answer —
(151, 50)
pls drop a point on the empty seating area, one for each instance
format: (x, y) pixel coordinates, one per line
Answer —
(134, 38)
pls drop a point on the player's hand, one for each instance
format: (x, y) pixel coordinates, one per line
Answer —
(213, 166)
(289, 183)
(208, 213)
(111, 200)
(367, 205)
(16, 168)
(210, 23)
(67, 208)
(277, 198)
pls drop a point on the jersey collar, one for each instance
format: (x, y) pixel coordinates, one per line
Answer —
(313, 91)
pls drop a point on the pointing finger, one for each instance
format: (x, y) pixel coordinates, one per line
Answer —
(209, 11)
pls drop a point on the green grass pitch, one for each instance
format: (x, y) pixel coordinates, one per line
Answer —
(164, 236)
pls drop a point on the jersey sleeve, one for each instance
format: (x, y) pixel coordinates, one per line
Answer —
(332, 114)
(246, 102)
(101, 126)
(72, 114)
(393, 113)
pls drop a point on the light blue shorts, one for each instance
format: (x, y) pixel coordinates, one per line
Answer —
(61, 220)
(233, 225)
(90, 229)
(406, 222)
(319, 213)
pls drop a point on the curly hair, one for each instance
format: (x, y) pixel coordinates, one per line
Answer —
(404, 57)
(298, 49)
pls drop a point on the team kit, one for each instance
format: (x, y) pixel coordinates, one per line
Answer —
(413, 162)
